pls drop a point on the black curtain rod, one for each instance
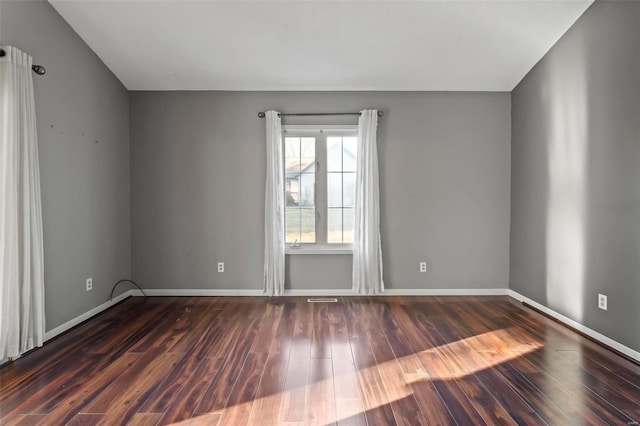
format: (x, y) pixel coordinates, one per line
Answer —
(261, 114)
(38, 69)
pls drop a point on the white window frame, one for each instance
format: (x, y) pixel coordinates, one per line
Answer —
(320, 132)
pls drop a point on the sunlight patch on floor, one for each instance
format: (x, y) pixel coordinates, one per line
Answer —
(499, 346)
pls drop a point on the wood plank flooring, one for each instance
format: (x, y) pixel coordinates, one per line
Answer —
(361, 361)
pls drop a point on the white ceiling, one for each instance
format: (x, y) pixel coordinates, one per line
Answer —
(475, 45)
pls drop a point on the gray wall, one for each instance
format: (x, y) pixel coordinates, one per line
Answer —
(197, 174)
(575, 188)
(82, 112)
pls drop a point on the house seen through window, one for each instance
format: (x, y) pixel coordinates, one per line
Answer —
(320, 175)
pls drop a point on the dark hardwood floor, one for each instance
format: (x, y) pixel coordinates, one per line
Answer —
(375, 361)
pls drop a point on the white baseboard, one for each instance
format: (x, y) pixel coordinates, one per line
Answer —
(446, 292)
(584, 329)
(198, 292)
(238, 292)
(77, 320)
(322, 292)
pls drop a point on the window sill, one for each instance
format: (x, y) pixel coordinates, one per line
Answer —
(318, 250)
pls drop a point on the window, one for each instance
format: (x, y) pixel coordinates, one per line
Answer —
(320, 175)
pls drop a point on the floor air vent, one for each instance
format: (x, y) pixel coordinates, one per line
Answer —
(322, 300)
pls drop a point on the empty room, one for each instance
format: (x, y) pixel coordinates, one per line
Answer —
(319, 212)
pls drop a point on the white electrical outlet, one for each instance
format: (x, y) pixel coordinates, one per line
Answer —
(602, 301)
(220, 266)
(423, 266)
(89, 284)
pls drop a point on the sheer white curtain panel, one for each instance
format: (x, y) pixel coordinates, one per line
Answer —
(367, 250)
(22, 322)
(274, 208)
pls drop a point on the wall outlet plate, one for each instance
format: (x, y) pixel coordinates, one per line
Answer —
(423, 266)
(220, 266)
(602, 301)
(89, 284)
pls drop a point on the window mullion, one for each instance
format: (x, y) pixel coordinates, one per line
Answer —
(321, 189)
(342, 188)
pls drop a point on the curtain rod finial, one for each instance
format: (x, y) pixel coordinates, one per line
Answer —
(39, 69)
(261, 114)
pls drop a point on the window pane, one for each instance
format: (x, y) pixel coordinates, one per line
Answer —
(349, 189)
(307, 154)
(292, 147)
(348, 217)
(292, 195)
(292, 223)
(334, 226)
(307, 225)
(291, 158)
(334, 154)
(308, 147)
(307, 181)
(334, 189)
(299, 156)
(349, 154)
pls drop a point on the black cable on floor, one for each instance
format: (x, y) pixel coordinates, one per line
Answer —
(130, 281)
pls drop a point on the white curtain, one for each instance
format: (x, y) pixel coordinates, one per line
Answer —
(274, 208)
(21, 250)
(367, 251)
